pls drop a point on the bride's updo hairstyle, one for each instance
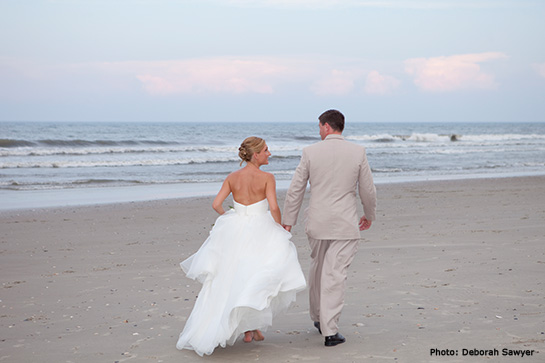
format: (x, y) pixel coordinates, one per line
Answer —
(250, 146)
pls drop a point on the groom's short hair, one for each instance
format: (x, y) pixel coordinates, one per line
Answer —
(334, 118)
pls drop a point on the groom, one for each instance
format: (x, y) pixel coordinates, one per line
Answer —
(336, 169)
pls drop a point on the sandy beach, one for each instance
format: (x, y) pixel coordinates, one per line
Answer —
(451, 271)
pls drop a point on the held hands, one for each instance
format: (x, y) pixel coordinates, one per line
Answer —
(364, 223)
(287, 228)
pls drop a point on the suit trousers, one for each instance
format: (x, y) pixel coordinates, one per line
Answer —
(330, 260)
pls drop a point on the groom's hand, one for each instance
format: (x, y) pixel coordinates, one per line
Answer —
(287, 228)
(364, 223)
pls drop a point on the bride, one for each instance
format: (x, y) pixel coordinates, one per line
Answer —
(248, 266)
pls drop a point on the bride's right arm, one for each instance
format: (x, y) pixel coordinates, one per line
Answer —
(224, 192)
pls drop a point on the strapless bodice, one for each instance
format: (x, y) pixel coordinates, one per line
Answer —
(252, 209)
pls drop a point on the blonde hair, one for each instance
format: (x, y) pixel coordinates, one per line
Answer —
(249, 146)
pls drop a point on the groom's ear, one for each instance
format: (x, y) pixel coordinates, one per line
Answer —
(327, 126)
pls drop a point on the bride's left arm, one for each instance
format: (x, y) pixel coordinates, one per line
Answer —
(270, 191)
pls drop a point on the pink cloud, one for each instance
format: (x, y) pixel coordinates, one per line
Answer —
(158, 85)
(389, 4)
(220, 75)
(453, 72)
(378, 84)
(337, 83)
(540, 68)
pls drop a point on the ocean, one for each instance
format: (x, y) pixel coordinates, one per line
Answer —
(53, 163)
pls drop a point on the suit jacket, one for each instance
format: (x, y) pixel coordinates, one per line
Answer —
(337, 170)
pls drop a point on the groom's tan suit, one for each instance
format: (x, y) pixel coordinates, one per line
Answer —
(337, 171)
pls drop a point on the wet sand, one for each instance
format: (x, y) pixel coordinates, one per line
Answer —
(457, 266)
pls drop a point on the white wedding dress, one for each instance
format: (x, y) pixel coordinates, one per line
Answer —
(249, 270)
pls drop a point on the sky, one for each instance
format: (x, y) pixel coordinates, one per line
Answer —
(272, 60)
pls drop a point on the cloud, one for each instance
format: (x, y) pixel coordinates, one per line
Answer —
(391, 4)
(442, 74)
(316, 74)
(540, 68)
(380, 84)
(337, 83)
(219, 75)
(243, 75)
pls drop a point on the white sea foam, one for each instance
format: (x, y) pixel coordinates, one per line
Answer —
(113, 163)
(43, 151)
(375, 138)
(417, 137)
(502, 137)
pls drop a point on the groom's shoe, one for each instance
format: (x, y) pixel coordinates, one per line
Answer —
(317, 326)
(333, 340)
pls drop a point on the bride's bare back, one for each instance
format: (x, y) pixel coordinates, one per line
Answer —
(249, 185)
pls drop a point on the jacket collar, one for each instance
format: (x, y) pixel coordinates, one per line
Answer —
(334, 137)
